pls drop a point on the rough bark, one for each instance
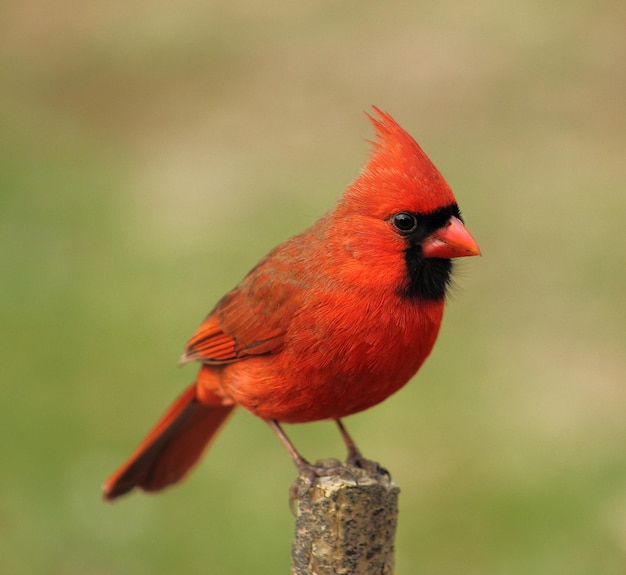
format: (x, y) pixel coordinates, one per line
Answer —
(346, 524)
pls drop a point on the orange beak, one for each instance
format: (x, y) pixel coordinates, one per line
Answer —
(451, 241)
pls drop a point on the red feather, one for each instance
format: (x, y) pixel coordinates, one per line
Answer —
(329, 323)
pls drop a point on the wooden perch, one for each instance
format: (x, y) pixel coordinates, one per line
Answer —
(346, 524)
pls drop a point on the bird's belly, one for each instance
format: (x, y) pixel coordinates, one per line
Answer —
(303, 393)
(334, 376)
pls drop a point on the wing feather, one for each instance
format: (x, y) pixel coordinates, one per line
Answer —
(250, 320)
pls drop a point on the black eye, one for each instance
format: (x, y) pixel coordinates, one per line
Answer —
(404, 222)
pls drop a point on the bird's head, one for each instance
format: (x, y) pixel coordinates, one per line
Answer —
(401, 204)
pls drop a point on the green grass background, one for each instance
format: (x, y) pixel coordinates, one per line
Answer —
(151, 152)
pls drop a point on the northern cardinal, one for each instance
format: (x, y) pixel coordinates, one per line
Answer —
(329, 323)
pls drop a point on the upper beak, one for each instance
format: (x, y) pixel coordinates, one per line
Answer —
(451, 241)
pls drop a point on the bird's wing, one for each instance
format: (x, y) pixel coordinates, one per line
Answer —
(250, 320)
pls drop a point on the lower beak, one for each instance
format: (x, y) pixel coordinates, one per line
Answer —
(451, 241)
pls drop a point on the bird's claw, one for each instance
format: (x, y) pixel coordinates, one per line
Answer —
(356, 459)
(372, 467)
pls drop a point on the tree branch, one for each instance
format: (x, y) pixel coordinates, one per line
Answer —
(346, 524)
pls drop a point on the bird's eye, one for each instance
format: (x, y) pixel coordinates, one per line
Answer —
(404, 222)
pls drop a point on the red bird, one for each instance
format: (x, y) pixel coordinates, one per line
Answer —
(329, 323)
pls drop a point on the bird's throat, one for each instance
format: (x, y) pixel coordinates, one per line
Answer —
(426, 278)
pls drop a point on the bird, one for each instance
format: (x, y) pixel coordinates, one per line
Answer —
(329, 323)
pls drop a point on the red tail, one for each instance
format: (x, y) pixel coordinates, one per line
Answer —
(171, 448)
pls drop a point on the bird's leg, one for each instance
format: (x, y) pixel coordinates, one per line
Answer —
(298, 460)
(355, 457)
(307, 471)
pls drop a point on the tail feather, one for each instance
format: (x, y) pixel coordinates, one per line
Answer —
(172, 448)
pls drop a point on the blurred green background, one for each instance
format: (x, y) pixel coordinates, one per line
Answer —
(152, 152)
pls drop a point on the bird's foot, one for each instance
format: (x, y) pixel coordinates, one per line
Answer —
(355, 459)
